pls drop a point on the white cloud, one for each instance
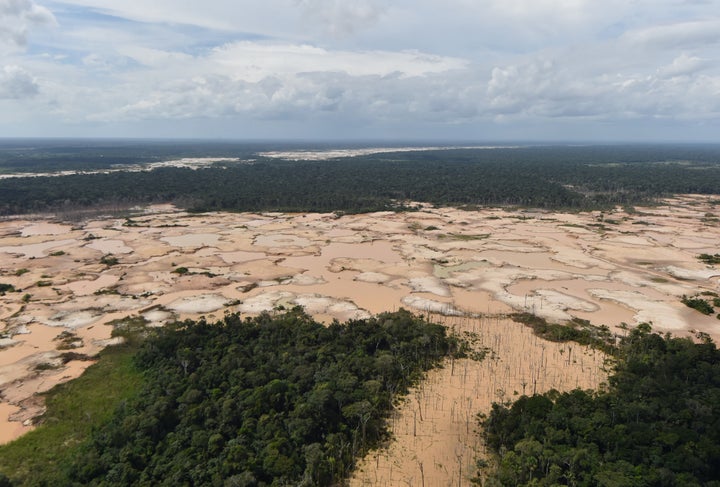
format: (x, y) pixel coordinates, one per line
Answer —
(253, 61)
(17, 17)
(16, 83)
(679, 35)
(684, 65)
(343, 17)
(416, 64)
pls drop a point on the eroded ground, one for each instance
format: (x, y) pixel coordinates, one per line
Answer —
(610, 268)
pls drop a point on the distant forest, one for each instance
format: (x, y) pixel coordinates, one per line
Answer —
(561, 177)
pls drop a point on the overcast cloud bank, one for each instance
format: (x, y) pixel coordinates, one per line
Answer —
(510, 69)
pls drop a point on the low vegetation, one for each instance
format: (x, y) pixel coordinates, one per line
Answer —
(6, 288)
(710, 259)
(74, 410)
(576, 330)
(109, 260)
(705, 303)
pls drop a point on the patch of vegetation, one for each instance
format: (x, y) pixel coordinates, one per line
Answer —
(57, 253)
(6, 288)
(184, 271)
(22, 271)
(655, 425)
(46, 366)
(109, 260)
(43, 283)
(67, 340)
(576, 330)
(74, 409)
(464, 236)
(699, 304)
(133, 329)
(107, 291)
(710, 259)
(659, 280)
(248, 287)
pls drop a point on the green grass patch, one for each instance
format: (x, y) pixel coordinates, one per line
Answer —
(74, 409)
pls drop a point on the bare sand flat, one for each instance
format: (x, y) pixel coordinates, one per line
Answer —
(610, 268)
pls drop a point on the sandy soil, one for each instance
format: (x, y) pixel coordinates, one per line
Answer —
(610, 268)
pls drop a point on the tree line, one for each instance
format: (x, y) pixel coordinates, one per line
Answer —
(543, 177)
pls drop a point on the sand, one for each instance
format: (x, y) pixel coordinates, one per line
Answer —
(463, 265)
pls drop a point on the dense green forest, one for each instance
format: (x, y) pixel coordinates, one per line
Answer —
(657, 423)
(545, 177)
(273, 400)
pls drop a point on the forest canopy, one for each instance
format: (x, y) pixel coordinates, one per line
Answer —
(566, 177)
(657, 424)
(278, 399)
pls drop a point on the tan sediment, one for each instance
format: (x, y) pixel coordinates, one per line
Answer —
(469, 263)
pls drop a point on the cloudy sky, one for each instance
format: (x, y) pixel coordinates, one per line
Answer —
(474, 70)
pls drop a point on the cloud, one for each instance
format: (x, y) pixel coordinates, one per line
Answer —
(684, 65)
(565, 87)
(312, 64)
(274, 81)
(16, 84)
(342, 17)
(253, 61)
(16, 19)
(678, 35)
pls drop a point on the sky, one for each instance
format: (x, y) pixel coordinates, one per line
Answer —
(424, 70)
